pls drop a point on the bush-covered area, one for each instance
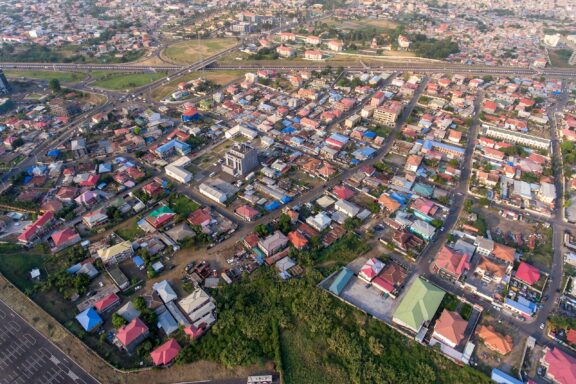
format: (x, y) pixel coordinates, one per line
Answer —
(323, 340)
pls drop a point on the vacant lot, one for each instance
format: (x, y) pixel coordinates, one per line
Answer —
(126, 81)
(191, 51)
(63, 77)
(560, 57)
(219, 77)
(361, 24)
(17, 262)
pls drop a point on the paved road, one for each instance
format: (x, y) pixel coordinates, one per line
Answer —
(27, 357)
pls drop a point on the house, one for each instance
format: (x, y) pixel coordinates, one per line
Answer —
(63, 239)
(95, 218)
(490, 271)
(116, 253)
(89, 319)
(419, 305)
(371, 269)
(298, 240)
(413, 163)
(423, 229)
(527, 274)
(165, 291)
(560, 366)
(504, 253)
(107, 303)
(34, 230)
(313, 40)
(166, 353)
(160, 217)
(347, 208)
(284, 51)
(494, 340)
(132, 334)
(247, 212)
(449, 328)
(313, 55)
(199, 307)
(273, 243)
(335, 45)
(451, 263)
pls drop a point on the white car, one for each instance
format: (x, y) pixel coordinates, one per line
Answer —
(542, 326)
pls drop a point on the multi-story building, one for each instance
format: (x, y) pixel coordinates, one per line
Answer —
(388, 113)
(240, 160)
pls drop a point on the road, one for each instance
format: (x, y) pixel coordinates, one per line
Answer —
(27, 357)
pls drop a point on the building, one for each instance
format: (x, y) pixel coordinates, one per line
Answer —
(36, 229)
(240, 160)
(371, 269)
(560, 366)
(273, 243)
(116, 253)
(160, 217)
(516, 137)
(347, 208)
(449, 328)
(166, 353)
(165, 291)
(199, 307)
(4, 85)
(451, 263)
(495, 341)
(95, 218)
(107, 303)
(419, 305)
(423, 229)
(63, 239)
(335, 45)
(341, 281)
(284, 51)
(89, 319)
(132, 334)
(176, 170)
(313, 55)
(171, 147)
(388, 113)
(212, 192)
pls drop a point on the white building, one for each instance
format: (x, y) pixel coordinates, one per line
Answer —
(176, 170)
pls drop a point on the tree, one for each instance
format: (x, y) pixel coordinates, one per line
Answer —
(54, 85)
(284, 223)
(261, 230)
(118, 321)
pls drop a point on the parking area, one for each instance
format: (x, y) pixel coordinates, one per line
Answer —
(369, 299)
(27, 357)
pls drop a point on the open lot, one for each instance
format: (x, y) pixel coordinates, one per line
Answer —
(361, 24)
(191, 51)
(63, 77)
(27, 357)
(124, 81)
(219, 77)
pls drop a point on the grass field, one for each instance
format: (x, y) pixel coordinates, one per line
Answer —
(63, 77)
(126, 81)
(191, 51)
(17, 262)
(219, 77)
(361, 24)
(130, 230)
(560, 57)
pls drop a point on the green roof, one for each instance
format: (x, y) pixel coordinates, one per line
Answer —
(161, 211)
(419, 304)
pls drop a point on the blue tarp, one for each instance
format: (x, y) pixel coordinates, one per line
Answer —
(272, 206)
(138, 261)
(54, 153)
(26, 179)
(370, 134)
(75, 268)
(286, 199)
(89, 319)
(288, 130)
(399, 198)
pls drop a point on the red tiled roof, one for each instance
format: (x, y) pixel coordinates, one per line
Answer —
(297, 239)
(106, 302)
(64, 236)
(528, 273)
(131, 331)
(562, 367)
(165, 353)
(451, 326)
(247, 212)
(452, 261)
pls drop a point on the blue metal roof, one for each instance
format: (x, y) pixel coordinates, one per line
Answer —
(503, 378)
(89, 319)
(340, 281)
(524, 306)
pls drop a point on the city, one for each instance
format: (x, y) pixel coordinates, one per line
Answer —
(301, 192)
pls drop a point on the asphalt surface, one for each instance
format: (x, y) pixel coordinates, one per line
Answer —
(27, 357)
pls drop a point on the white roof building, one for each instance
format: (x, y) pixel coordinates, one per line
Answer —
(165, 291)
